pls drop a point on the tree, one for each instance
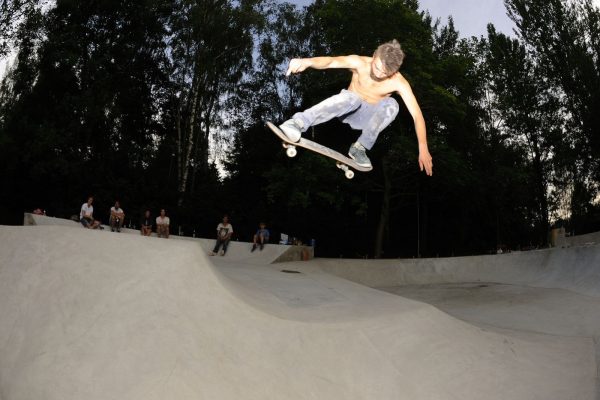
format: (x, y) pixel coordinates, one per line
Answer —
(211, 47)
(12, 14)
(529, 109)
(564, 39)
(83, 117)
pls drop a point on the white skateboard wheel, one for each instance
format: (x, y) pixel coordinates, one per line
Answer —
(291, 151)
(349, 174)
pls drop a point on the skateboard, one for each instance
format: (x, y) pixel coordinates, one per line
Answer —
(342, 162)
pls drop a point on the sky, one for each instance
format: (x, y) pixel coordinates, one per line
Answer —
(471, 17)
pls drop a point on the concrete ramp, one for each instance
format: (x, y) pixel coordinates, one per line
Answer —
(238, 251)
(93, 315)
(575, 268)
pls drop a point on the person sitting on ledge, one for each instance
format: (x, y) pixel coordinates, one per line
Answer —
(117, 217)
(162, 224)
(146, 224)
(224, 232)
(86, 216)
(261, 237)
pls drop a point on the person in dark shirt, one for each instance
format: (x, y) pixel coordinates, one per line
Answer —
(146, 224)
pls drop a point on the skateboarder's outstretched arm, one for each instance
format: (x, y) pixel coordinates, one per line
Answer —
(298, 65)
(405, 91)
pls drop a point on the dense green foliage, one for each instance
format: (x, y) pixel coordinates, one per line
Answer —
(162, 103)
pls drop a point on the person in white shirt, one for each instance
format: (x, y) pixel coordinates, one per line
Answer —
(117, 217)
(86, 215)
(224, 232)
(162, 224)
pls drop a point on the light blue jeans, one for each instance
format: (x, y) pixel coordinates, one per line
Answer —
(351, 109)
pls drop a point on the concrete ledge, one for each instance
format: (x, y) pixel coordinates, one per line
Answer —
(296, 253)
(34, 220)
(582, 240)
(237, 252)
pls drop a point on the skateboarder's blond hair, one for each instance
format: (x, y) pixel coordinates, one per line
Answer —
(391, 55)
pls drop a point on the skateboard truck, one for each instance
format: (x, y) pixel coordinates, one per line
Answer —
(347, 171)
(290, 149)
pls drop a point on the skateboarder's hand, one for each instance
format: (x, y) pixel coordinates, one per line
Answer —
(297, 65)
(425, 162)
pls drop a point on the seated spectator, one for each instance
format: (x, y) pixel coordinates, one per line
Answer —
(117, 217)
(146, 224)
(261, 237)
(162, 224)
(86, 216)
(224, 232)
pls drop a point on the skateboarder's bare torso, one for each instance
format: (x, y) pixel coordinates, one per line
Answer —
(369, 89)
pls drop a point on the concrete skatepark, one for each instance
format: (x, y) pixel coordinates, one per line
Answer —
(99, 315)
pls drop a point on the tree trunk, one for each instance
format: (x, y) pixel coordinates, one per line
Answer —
(189, 145)
(543, 198)
(424, 221)
(384, 215)
(179, 138)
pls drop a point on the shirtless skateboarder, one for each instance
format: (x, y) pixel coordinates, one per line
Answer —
(366, 104)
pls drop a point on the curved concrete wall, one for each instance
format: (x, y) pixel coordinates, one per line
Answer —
(579, 240)
(574, 268)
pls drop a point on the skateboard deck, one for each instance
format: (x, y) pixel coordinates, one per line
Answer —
(343, 162)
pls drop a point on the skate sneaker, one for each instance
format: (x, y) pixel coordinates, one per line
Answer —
(358, 153)
(292, 129)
